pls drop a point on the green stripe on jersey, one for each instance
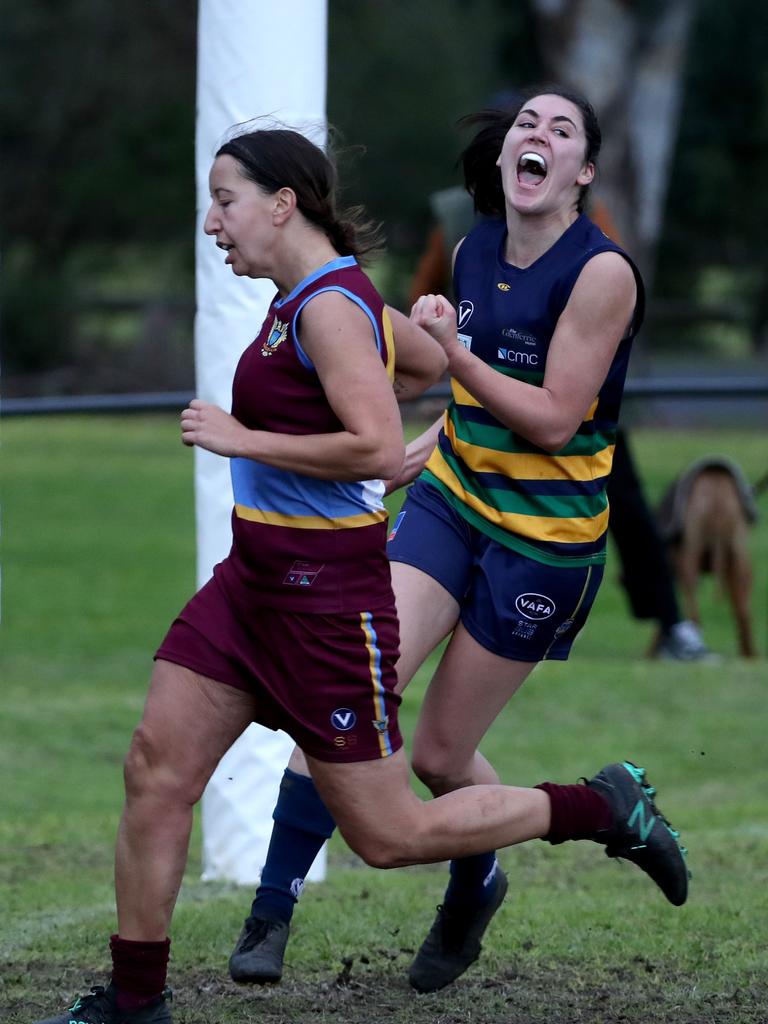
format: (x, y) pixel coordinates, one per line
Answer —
(509, 540)
(551, 506)
(501, 439)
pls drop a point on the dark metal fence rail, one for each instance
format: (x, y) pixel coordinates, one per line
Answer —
(158, 401)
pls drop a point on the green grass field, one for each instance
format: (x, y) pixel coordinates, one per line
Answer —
(98, 555)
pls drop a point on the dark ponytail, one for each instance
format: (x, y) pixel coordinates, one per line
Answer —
(275, 158)
(482, 177)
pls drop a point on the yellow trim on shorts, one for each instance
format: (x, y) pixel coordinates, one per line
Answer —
(374, 665)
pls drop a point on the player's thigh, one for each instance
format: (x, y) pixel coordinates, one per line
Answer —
(432, 552)
(426, 612)
(372, 803)
(188, 724)
(465, 696)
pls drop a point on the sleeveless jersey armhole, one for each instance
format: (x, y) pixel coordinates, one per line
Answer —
(303, 357)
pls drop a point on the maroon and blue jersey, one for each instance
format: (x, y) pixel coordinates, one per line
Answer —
(299, 542)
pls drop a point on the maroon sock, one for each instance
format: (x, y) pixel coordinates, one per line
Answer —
(139, 970)
(578, 812)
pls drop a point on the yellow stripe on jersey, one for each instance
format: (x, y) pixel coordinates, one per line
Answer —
(542, 528)
(462, 397)
(256, 515)
(528, 466)
(389, 337)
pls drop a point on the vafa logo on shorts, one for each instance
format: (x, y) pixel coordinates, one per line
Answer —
(535, 606)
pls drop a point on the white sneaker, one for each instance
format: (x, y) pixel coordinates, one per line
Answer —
(683, 642)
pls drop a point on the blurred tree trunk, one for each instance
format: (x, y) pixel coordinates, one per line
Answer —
(627, 57)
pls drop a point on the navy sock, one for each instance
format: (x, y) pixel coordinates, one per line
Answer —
(302, 825)
(471, 880)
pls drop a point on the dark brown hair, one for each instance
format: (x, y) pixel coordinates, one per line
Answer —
(275, 158)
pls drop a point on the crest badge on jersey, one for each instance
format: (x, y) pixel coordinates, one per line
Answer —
(276, 337)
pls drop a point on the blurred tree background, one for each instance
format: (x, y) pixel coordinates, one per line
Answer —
(97, 118)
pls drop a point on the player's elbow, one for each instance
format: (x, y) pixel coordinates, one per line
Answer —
(552, 435)
(438, 366)
(553, 441)
(390, 462)
(382, 458)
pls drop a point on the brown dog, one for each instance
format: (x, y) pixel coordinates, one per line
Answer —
(705, 517)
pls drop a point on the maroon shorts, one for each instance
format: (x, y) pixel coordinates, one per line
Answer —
(326, 680)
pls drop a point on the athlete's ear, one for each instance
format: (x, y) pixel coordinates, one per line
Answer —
(284, 203)
(586, 175)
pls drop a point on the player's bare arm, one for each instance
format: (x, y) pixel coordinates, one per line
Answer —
(338, 338)
(580, 354)
(419, 360)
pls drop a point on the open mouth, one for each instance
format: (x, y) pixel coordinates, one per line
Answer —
(531, 169)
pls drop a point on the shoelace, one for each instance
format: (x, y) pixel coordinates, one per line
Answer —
(651, 793)
(97, 992)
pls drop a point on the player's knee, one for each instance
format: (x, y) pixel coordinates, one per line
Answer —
(436, 769)
(381, 848)
(149, 771)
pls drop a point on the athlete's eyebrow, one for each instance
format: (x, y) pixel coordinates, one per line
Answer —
(558, 117)
(219, 190)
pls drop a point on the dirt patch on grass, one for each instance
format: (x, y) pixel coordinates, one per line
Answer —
(362, 993)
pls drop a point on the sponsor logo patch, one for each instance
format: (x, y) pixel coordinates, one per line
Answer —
(524, 629)
(503, 286)
(344, 742)
(535, 606)
(381, 724)
(302, 574)
(276, 337)
(343, 719)
(515, 335)
(465, 340)
(508, 355)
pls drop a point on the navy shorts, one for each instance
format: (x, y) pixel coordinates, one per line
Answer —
(512, 605)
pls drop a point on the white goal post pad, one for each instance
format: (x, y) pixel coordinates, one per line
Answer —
(255, 59)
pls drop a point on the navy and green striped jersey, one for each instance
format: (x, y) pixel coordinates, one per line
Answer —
(550, 507)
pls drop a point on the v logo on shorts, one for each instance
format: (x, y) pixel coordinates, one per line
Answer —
(343, 719)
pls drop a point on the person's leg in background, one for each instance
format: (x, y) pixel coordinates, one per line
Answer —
(646, 573)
